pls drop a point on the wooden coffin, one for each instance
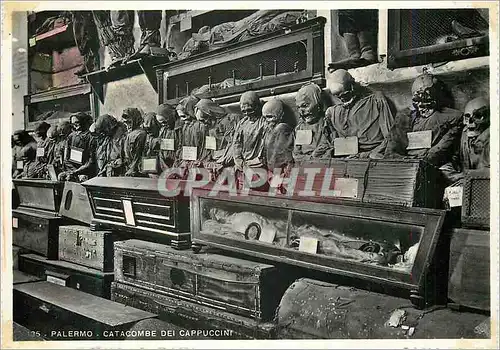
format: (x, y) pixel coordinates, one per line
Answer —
(36, 230)
(60, 313)
(312, 309)
(75, 203)
(234, 285)
(367, 242)
(68, 274)
(476, 199)
(408, 182)
(135, 205)
(80, 245)
(16, 251)
(39, 194)
(469, 269)
(191, 315)
(19, 277)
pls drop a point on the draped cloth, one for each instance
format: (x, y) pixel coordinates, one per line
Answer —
(134, 143)
(445, 125)
(110, 150)
(279, 146)
(186, 106)
(309, 93)
(320, 146)
(369, 118)
(84, 141)
(258, 23)
(474, 151)
(248, 141)
(152, 128)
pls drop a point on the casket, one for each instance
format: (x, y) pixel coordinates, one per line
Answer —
(385, 245)
(476, 199)
(137, 206)
(60, 313)
(402, 182)
(239, 286)
(39, 194)
(191, 315)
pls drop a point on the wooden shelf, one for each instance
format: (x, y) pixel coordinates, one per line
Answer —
(132, 68)
(55, 39)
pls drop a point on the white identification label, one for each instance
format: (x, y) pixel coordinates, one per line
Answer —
(308, 245)
(149, 164)
(267, 236)
(419, 139)
(454, 195)
(186, 23)
(210, 142)
(15, 223)
(56, 280)
(32, 41)
(40, 152)
(345, 146)
(346, 187)
(76, 155)
(129, 214)
(303, 137)
(19, 165)
(167, 145)
(189, 152)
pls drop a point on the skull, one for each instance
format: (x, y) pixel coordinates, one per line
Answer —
(476, 116)
(425, 94)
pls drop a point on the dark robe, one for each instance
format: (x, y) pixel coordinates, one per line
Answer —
(248, 140)
(474, 151)
(133, 149)
(445, 125)
(84, 141)
(279, 146)
(319, 148)
(369, 118)
(167, 158)
(110, 153)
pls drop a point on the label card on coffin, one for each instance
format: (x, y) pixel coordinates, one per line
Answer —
(15, 223)
(308, 245)
(76, 155)
(56, 280)
(167, 145)
(19, 165)
(303, 137)
(346, 187)
(189, 153)
(127, 210)
(419, 139)
(149, 164)
(345, 146)
(267, 236)
(40, 152)
(454, 195)
(210, 143)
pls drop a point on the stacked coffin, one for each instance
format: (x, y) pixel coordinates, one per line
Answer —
(68, 255)
(469, 264)
(205, 290)
(58, 256)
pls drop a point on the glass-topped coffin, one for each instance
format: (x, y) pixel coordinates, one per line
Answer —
(373, 242)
